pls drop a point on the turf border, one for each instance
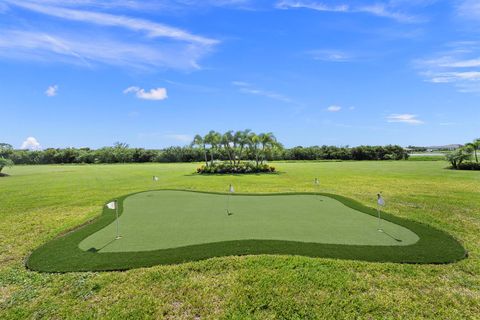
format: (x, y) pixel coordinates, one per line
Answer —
(63, 254)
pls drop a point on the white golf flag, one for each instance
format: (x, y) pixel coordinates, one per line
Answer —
(155, 178)
(112, 205)
(231, 189)
(316, 181)
(380, 201)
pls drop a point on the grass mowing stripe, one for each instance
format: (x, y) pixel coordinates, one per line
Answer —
(64, 255)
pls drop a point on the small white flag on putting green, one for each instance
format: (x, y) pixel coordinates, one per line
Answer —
(112, 205)
(155, 178)
(231, 189)
(316, 181)
(380, 200)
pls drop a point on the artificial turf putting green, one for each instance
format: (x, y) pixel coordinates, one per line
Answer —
(173, 226)
(170, 219)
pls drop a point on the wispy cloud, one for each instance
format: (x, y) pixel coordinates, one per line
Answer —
(469, 9)
(387, 10)
(247, 88)
(81, 50)
(152, 29)
(152, 94)
(51, 91)
(458, 65)
(143, 43)
(334, 108)
(31, 143)
(330, 55)
(404, 118)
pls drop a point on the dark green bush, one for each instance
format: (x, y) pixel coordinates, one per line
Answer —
(469, 166)
(239, 168)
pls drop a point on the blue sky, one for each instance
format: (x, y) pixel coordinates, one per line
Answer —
(154, 73)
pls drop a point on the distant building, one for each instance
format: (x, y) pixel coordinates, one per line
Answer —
(449, 147)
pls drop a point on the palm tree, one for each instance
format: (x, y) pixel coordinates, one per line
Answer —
(475, 145)
(458, 156)
(241, 139)
(213, 139)
(268, 141)
(254, 145)
(5, 163)
(200, 142)
(227, 141)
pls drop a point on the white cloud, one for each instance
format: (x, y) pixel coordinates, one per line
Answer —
(31, 143)
(241, 83)
(404, 118)
(140, 44)
(287, 4)
(458, 66)
(51, 91)
(462, 63)
(152, 94)
(83, 51)
(330, 55)
(152, 29)
(469, 9)
(334, 108)
(388, 10)
(447, 77)
(247, 88)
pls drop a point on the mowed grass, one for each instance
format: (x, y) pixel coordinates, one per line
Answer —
(39, 202)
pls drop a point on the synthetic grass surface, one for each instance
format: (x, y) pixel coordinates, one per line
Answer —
(37, 203)
(64, 254)
(170, 219)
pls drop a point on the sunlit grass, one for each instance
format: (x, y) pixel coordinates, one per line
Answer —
(39, 202)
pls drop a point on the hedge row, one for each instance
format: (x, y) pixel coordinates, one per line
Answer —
(122, 154)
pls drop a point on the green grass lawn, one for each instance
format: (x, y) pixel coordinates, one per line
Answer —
(39, 202)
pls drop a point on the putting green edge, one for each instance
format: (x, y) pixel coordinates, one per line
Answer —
(62, 254)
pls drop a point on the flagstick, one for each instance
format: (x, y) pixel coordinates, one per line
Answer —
(316, 182)
(228, 203)
(379, 219)
(116, 213)
(380, 203)
(230, 191)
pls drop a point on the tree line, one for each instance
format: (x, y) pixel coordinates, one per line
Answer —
(212, 147)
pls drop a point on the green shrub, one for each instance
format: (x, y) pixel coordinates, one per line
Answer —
(239, 168)
(468, 166)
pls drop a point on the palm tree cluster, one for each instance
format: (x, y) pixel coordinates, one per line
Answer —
(473, 146)
(459, 158)
(237, 145)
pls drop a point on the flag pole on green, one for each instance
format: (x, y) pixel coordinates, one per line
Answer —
(230, 191)
(114, 206)
(380, 203)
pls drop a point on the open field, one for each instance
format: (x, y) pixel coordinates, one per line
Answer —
(39, 202)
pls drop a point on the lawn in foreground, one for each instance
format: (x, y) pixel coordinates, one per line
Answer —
(37, 203)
